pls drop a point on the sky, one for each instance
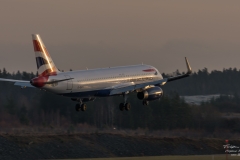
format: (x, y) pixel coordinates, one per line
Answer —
(97, 34)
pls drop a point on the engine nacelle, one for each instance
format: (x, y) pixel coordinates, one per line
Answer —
(150, 94)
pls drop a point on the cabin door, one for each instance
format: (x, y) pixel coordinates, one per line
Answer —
(69, 83)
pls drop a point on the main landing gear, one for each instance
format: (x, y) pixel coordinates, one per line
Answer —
(145, 103)
(81, 106)
(125, 106)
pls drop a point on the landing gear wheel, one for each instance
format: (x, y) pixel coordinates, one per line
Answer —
(77, 107)
(146, 103)
(121, 106)
(127, 106)
(83, 107)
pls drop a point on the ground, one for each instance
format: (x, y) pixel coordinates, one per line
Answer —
(104, 145)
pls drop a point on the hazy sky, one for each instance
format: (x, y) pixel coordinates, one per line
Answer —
(104, 33)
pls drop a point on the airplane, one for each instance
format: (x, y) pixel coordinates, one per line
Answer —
(86, 85)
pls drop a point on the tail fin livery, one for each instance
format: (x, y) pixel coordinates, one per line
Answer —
(45, 64)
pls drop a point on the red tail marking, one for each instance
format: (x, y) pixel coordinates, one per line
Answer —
(48, 72)
(46, 52)
(37, 46)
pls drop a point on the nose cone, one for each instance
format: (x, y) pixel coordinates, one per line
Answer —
(39, 81)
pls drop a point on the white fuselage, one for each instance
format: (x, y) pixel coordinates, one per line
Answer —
(86, 83)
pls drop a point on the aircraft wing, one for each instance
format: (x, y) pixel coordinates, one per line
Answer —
(12, 80)
(129, 87)
(120, 88)
(25, 84)
(189, 72)
(21, 83)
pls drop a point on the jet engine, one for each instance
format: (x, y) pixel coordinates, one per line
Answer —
(150, 94)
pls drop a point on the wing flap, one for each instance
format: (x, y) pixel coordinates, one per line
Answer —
(128, 87)
(121, 90)
(156, 83)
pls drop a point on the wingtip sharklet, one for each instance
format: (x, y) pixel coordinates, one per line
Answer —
(189, 69)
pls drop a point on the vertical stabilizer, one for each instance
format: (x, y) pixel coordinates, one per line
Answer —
(45, 64)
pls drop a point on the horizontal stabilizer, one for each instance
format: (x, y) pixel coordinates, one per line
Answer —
(12, 80)
(23, 84)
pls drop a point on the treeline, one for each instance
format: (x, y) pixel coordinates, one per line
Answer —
(34, 107)
(225, 103)
(204, 82)
(220, 113)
